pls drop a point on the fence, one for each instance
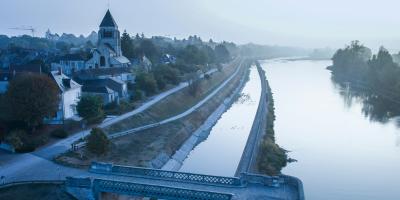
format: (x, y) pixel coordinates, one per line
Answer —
(164, 175)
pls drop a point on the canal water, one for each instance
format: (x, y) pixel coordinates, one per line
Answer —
(221, 152)
(342, 154)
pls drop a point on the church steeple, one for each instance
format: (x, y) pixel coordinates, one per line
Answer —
(108, 20)
(109, 35)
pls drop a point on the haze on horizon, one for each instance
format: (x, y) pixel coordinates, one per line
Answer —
(305, 23)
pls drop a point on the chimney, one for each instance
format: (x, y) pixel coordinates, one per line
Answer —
(59, 71)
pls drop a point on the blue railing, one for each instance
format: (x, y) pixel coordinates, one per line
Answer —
(164, 175)
(78, 182)
(162, 192)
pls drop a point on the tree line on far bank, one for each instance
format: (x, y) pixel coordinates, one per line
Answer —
(373, 78)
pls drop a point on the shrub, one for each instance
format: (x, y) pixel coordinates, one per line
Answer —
(21, 142)
(137, 95)
(97, 141)
(59, 133)
(272, 158)
(91, 108)
(147, 83)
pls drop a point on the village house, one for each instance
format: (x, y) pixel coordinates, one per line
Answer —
(110, 89)
(70, 92)
(70, 64)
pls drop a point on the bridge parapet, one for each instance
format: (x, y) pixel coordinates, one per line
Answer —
(156, 191)
(110, 169)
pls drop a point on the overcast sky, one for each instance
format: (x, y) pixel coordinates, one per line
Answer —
(307, 23)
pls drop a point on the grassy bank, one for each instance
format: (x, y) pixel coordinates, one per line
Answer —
(141, 148)
(35, 191)
(271, 158)
(173, 104)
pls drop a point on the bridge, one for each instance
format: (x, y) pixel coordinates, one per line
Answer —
(109, 179)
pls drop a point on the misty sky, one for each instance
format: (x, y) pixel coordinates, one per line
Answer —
(307, 23)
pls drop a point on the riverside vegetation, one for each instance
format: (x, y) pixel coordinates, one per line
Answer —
(374, 79)
(271, 158)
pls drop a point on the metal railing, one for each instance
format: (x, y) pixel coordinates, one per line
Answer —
(161, 192)
(110, 169)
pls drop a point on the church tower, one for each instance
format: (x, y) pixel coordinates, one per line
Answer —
(109, 34)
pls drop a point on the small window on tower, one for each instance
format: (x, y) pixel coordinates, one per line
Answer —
(107, 34)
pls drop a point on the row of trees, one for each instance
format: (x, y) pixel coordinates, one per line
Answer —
(198, 53)
(378, 75)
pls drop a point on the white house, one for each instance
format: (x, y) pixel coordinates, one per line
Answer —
(70, 92)
(108, 52)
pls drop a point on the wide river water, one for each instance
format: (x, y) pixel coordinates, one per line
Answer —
(342, 155)
(221, 152)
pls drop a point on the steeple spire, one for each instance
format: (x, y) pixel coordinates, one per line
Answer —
(108, 20)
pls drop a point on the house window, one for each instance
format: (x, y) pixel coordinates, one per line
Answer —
(102, 61)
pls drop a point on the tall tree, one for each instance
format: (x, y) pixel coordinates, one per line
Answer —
(127, 45)
(31, 98)
(222, 54)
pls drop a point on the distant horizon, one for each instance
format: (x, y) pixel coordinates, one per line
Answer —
(306, 24)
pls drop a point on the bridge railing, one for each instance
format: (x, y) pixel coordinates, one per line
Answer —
(111, 169)
(155, 191)
(78, 182)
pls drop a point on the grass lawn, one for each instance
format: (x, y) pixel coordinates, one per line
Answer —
(173, 104)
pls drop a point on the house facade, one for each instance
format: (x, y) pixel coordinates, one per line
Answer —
(70, 92)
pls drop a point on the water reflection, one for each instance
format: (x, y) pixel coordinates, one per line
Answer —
(342, 155)
(221, 152)
(375, 108)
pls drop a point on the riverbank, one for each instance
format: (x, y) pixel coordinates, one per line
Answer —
(261, 154)
(141, 148)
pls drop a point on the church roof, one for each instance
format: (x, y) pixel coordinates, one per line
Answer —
(108, 20)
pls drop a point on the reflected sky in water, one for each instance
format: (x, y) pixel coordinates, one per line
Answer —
(341, 153)
(221, 152)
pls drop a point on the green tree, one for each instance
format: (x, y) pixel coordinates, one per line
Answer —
(91, 108)
(97, 142)
(194, 84)
(222, 54)
(31, 98)
(147, 83)
(147, 48)
(127, 45)
(193, 55)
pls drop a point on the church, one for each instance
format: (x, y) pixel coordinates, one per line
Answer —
(108, 53)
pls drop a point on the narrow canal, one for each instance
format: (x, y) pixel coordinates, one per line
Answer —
(342, 153)
(221, 152)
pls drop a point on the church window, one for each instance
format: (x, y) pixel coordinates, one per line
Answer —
(107, 34)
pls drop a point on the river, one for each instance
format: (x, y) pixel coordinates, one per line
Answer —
(221, 152)
(341, 153)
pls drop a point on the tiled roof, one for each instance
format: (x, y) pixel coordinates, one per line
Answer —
(64, 83)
